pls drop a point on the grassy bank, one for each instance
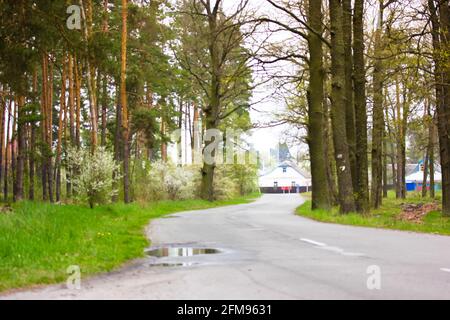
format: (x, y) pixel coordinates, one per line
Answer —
(39, 241)
(385, 217)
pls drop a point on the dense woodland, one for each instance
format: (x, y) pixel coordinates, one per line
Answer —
(370, 86)
(371, 93)
(116, 80)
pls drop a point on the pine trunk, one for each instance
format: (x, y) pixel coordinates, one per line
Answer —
(2, 133)
(21, 149)
(123, 103)
(62, 116)
(104, 109)
(7, 152)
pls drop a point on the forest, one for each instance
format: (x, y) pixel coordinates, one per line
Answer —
(117, 112)
(369, 96)
(92, 92)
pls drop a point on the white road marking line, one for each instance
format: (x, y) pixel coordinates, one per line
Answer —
(353, 254)
(445, 269)
(320, 244)
(333, 249)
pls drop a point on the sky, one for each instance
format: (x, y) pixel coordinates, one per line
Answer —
(263, 108)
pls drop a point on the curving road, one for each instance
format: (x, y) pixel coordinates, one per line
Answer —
(269, 253)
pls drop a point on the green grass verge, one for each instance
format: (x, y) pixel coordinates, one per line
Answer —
(39, 241)
(384, 217)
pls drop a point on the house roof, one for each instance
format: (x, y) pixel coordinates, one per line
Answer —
(288, 163)
(415, 167)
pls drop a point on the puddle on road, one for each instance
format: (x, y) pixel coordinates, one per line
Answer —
(168, 264)
(180, 252)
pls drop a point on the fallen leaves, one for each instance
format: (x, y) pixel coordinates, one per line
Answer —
(416, 212)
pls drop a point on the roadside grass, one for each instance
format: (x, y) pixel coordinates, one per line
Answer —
(307, 195)
(384, 217)
(39, 241)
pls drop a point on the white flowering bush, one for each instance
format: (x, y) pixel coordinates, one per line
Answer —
(164, 181)
(246, 178)
(224, 184)
(235, 180)
(92, 180)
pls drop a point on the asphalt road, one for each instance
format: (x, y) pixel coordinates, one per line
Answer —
(269, 253)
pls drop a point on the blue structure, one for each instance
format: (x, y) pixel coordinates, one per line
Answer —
(414, 179)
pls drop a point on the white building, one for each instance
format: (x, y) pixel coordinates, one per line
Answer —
(417, 177)
(286, 177)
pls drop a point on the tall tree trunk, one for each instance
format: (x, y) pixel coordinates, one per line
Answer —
(402, 116)
(208, 169)
(385, 166)
(43, 127)
(362, 178)
(13, 147)
(21, 146)
(49, 119)
(104, 109)
(118, 149)
(163, 143)
(338, 110)
(425, 176)
(404, 125)
(32, 148)
(71, 101)
(180, 127)
(427, 152)
(90, 72)
(431, 157)
(149, 103)
(62, 118)
(3, 128)
(329, 153)
(316, 125)
(78, 76)
(439, 44)
(7, 152)
(123, 103)
(69, 120)
(195, 136)
(378, 116)
(444, 69)
(349, 100)
(211, 111)
(187, 131)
